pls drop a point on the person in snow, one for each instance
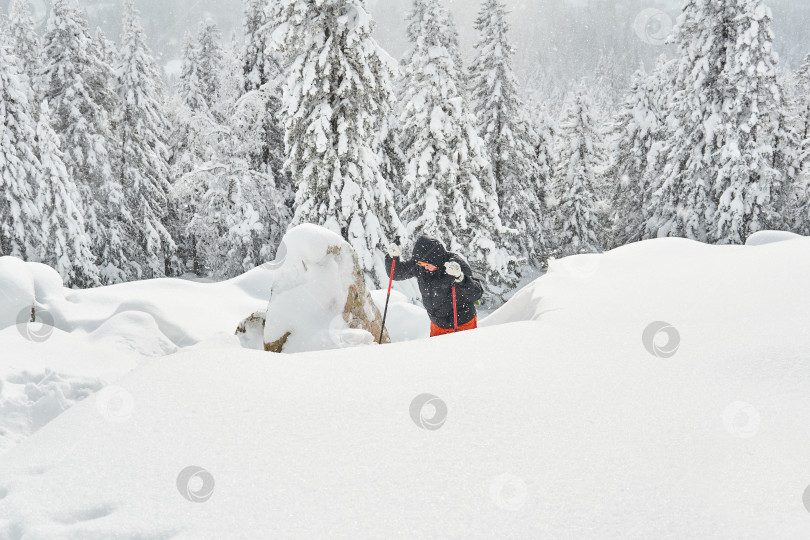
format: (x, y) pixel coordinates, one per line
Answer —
(438, 271)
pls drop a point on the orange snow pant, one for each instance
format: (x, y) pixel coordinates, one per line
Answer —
(438, 331)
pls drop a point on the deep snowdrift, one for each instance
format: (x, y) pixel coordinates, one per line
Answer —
(660, 390)
(58, 363)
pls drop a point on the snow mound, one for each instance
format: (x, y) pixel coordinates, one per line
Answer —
(770, 237)
(405, 321)
(23, 287)
(318, 300)
(152, 318)
(666, 279)
(656, 391)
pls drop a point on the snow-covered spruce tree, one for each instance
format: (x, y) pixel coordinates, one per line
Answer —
(545, 161)
(209, 57)
(609, 83)
(580, 225)
(800, 216)
(262, 71)
(20, 220)
(802, 104)
(143, 170)
(107, 49)
(194, 134)
(192, 142)
(191, 89)
(339, 89)
(391, 158)
(242, 217)
(78, 89)
(449, 183)
(110, 60)
(637, 127)
(753, 176)
(26, 44)
(256, 64)
(719, 162)
(65, 245)
(507, 131)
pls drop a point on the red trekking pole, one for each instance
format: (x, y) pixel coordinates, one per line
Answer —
(455, 311)
(390, 282)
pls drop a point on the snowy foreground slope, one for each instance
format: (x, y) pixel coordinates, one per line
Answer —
(570, 414)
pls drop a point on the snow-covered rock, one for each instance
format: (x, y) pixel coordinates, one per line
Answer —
(25, 287)
(318, 299)
(762, 238)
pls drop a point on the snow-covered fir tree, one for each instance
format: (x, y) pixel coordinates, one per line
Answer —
(449, 184)
(192, 142)
(800, 217)
(257, 64)
(209, 58)
(262, 71)
(637, 127)
(110, 60)
(507, 132)
(545, 167)
(391, 157)
(77, 85)
(65, 245)
(393, 161)
(20, 220)
(720, 180)
(339, 89)
(802, 104)
(242, 216)
(26, 44)
(191, 90)
(580, 223)
(609, 83)
(143, 170)
(194, 134)
(751, 183)
(108, 51)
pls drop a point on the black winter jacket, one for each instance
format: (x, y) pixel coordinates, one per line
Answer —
(437, 286)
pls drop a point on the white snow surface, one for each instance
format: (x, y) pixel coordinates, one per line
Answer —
(566, 416)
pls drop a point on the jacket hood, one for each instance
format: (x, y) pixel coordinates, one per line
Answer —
(430, 250)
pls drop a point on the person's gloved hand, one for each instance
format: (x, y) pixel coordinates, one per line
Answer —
(394, 251)
(452, 268)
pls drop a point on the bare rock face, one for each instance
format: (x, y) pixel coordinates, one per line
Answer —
(319, 298)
